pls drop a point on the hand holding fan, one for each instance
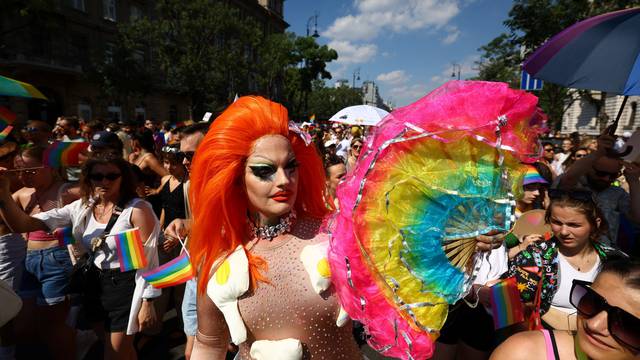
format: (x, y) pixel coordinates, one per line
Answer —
(432, 177)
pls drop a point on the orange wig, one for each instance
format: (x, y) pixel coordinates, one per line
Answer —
(217, 191)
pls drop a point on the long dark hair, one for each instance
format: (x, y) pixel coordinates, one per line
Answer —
(127, 184)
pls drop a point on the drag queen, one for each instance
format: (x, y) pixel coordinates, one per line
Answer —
(264, 280)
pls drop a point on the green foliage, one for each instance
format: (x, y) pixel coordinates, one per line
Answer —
(324, 102)
(530, 24)
(202, 49)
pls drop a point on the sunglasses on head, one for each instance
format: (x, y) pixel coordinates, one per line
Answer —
(623, 326)
(100, 176)
(584, 196)
(181, 155)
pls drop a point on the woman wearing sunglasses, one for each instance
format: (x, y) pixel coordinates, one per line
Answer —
(118, 303)
(608, 324)
(354, 153)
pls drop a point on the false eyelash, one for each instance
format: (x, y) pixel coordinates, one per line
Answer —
(263, 171)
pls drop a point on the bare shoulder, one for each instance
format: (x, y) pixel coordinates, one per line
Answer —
(23, 196)
(528, 345)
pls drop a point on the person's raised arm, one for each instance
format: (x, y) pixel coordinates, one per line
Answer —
(17, 220)
(582, 166)
(155, 165)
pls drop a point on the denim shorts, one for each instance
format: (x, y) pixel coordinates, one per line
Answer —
(189, 317)
(46, 275)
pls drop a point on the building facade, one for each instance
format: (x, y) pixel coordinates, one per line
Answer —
(582, 116)
(53, 51)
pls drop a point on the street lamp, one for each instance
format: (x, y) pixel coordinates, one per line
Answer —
(356, 76)
(458, 68)
(315, 26)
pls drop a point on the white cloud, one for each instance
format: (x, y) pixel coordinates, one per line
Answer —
(352, 35)
(404, 95)
(375, 16)
(452, 36)
(349, 53)
(395, 77)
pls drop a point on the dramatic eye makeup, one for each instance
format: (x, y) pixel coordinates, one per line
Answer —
(266, 172)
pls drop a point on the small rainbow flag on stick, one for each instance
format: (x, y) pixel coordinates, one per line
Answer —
(7, 117)
(65, 236)
(130, 250)
(173, 273)
(505, 303)
(61, 153)
(5, 132)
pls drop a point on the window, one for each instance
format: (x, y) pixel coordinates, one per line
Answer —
(78, 5)
(141, 114)
(135, 13)
(108, 53)
(109, 9)
(84, 111)
(114, 113)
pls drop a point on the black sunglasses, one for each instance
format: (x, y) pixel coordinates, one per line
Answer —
(181, 155)
(623, 326)
(100, 176)
(584, 196)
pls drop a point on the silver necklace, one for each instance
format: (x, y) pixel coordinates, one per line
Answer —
(269, 232)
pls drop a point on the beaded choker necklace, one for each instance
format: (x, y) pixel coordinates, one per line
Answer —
(268, 232)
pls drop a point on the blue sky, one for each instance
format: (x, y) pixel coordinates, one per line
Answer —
(406, 46)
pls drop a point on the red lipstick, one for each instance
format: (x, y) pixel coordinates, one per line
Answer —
(281, 196)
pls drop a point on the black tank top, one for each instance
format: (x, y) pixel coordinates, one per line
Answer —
(172, 203)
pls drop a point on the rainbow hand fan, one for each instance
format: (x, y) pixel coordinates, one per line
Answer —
(433, 176)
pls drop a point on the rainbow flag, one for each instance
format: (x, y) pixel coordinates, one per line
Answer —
(506, 306)
(532, 176)
(173, 273)
(130, 250)
(7, 117)
(65, 236)
(5, 132)
(312, 118)
(61, 154)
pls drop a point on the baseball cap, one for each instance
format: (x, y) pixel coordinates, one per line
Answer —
(105, 139)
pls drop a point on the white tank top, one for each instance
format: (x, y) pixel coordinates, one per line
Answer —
(566, 275)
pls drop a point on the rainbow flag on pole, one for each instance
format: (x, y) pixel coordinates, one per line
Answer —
(506, 306)
(7, 117)
(130, 250)
(62, 153)
(173, 273)
(5, 132)
(64, 236)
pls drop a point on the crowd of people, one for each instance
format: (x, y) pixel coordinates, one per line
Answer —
(250, 191)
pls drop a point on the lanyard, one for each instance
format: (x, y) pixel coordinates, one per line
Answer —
(580, 355)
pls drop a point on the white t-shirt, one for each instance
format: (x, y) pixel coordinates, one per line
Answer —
(566, 275)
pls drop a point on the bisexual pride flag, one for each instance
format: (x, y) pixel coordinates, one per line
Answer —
(130, 250)
(175, 272)
(64, 153)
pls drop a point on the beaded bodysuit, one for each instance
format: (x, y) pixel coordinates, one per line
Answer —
(289, 307)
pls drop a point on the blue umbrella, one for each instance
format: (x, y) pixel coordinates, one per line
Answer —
(599, 53)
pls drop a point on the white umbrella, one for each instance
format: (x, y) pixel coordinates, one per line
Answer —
(359, 115)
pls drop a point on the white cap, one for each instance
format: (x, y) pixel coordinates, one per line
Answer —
(330, 142)
(626, 134)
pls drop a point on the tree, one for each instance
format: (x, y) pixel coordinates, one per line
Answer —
(203, 49)
(500, 61)
(324, 102)
(292, 63)
(530, 24)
